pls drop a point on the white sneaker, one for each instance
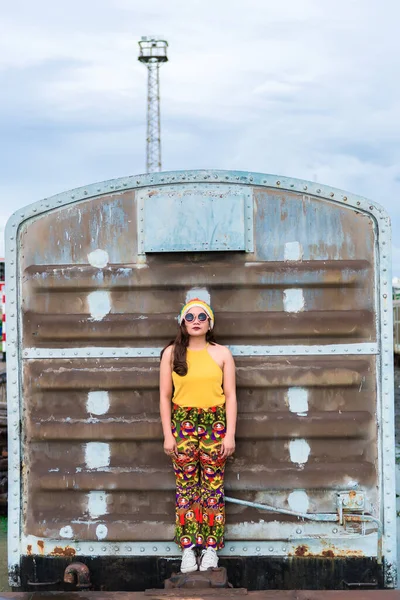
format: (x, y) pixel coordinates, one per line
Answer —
(189, 562)
(209, 559)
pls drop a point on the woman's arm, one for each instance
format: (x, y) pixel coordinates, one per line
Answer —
(229, 386)
(165, 400)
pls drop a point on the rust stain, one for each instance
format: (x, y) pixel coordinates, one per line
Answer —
(67, 551)
(301, 551)
(330, 552)
(41, 546)
(29, 550)
(355, 519)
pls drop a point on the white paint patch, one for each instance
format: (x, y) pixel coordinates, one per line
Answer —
(298, 400)
(98, 403)
(298, 501)
(350, 482)
(99, 304)
(293, 251)
(66, 532)
(299, 451)
(97, 504)
(101, 532)
(200, 293)
(97, 455)
(98, 258)
(293, 300)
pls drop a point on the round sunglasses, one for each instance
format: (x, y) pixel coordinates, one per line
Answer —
(190, 317)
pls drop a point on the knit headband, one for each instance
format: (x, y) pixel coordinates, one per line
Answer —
(200, 304)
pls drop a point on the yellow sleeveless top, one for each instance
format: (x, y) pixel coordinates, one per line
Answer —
(201, 387)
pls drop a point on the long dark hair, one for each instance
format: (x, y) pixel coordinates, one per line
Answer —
(180, 343)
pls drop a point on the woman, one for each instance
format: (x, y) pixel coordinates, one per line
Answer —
(198, 375)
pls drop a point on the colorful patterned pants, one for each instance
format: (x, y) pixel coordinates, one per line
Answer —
(199, 471)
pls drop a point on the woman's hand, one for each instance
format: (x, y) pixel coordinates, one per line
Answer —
(170, 446)
(227, 446)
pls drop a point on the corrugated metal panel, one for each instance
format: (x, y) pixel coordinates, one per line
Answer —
(95, 426)
(308, 425)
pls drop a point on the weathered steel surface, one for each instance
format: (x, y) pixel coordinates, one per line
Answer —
(95, 426)
(92, 427)
(211, 594)
(93, 468)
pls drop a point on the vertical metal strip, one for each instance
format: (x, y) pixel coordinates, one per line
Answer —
(386, 382)
(13, 404)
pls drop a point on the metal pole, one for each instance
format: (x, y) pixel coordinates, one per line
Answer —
(153, 52)
(153, 150)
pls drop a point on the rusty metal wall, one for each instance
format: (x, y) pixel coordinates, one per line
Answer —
(300, 313)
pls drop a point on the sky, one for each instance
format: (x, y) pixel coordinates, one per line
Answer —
(306, 89)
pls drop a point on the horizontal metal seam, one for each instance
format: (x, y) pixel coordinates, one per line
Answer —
(104, 352)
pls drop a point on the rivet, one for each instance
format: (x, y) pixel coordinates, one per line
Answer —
(232, 548)
(331, 194)
(318, 191)
(103, 548)
(78, 549)
(244, 549)
(345, 198)
(358, 203)
(168, 549)
(258, 549)
(155, 548)
(141, 549)
(305, 187)
(298, 530)
(271, 549)
(90, 549)
(129, 548)
(116, 548)
(334, 530)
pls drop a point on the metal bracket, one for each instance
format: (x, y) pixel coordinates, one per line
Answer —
(351, 501)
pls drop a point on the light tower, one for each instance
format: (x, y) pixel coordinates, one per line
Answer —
(153, 52)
